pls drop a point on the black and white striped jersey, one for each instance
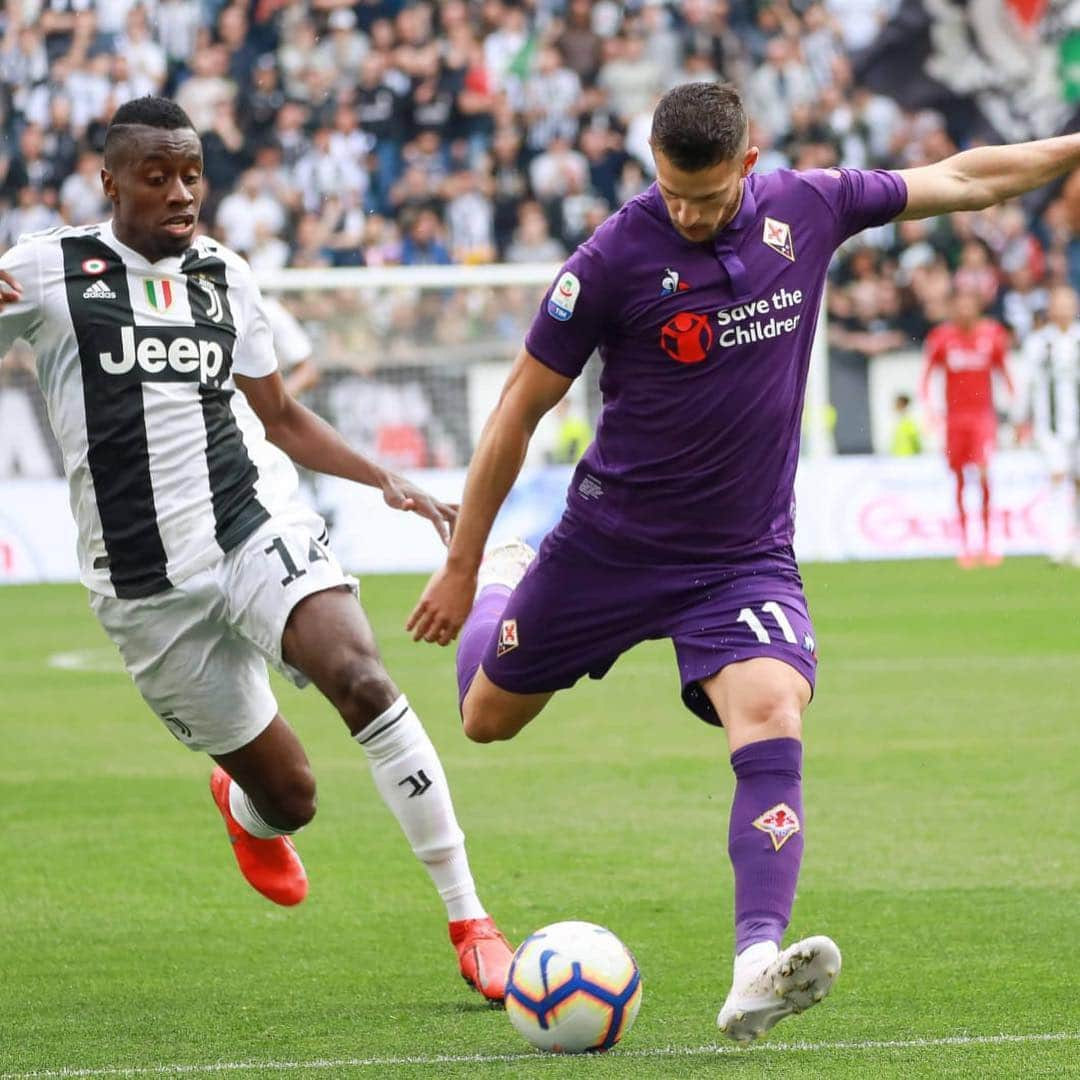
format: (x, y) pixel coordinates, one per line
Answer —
(1050, 387)
(168, 466)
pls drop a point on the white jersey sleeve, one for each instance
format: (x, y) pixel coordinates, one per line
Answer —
(21, 319)
(254, 354)
(291, 342)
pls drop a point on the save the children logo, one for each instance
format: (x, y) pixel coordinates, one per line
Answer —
(687, 337)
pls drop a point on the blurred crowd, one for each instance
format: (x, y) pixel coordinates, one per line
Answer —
(381, 132)
(374, 132)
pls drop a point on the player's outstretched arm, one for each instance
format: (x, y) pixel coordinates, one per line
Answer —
(976, 179)
(531, 390)
(311, 442)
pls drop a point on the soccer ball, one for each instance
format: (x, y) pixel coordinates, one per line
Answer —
(573, 987)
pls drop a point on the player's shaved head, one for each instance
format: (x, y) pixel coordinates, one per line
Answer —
(129, 124)
(698, 125)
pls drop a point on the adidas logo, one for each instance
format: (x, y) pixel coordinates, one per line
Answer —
(99, 291)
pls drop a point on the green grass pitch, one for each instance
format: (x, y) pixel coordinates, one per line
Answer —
(943, 854)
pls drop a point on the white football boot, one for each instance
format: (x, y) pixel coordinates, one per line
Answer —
(505, 565)
(767, 985)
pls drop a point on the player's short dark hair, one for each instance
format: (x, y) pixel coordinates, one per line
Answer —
(149, 111)
(698, 125)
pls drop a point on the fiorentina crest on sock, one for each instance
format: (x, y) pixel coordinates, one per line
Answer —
(508, 637)
(781, 823)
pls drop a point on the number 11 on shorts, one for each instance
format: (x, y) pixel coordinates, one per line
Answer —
(758, 627)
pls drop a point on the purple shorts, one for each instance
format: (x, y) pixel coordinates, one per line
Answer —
(587, 598)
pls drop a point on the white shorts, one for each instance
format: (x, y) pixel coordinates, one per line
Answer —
(198, 651)
(1062, 454)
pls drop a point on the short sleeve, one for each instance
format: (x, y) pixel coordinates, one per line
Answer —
(291, 343)
(254, 353)
(20, 320)
(859, 198)
(573, 314)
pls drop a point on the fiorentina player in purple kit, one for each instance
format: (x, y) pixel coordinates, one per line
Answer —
(702, 296)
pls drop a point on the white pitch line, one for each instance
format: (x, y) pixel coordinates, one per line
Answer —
(498, 1059)
(102, 661)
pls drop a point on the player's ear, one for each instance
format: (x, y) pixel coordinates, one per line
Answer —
(108, 185)
(750, 160)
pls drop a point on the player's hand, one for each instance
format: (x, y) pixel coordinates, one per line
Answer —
(399, 494)
(10, 290)
(443, 606)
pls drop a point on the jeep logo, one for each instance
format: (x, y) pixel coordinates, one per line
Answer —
(180, 355)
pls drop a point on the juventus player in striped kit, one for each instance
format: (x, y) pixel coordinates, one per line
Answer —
(201, 563)
(1050, 401)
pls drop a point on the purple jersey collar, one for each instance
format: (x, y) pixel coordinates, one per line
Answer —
(743, 216)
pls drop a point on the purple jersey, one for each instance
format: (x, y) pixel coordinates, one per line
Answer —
(705, 350)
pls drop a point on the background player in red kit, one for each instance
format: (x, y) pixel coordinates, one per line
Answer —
(969, 349)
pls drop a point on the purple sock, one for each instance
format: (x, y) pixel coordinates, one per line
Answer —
(476, 634)
(765, 839)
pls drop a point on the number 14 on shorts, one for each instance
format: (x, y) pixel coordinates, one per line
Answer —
(292, 571)
(776, 614)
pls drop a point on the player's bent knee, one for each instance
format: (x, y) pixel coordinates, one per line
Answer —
(363, 689)
(487, 725)
(480, 728)
(773, 717)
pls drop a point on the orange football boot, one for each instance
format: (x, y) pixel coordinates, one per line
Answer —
(484, 956)
(272, 866)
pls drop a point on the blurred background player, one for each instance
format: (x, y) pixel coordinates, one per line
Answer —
(572, 436)
(1049, 401)
(968, 349)
(301, 375)
(293, 346)
(907, 438)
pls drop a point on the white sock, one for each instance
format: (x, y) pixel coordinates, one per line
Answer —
(753, 958)
(247, 817)
(411, 781)
(1061, 520)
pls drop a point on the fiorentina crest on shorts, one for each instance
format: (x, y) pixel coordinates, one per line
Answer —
(508, 637)
(781, 823)
(777, 235)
